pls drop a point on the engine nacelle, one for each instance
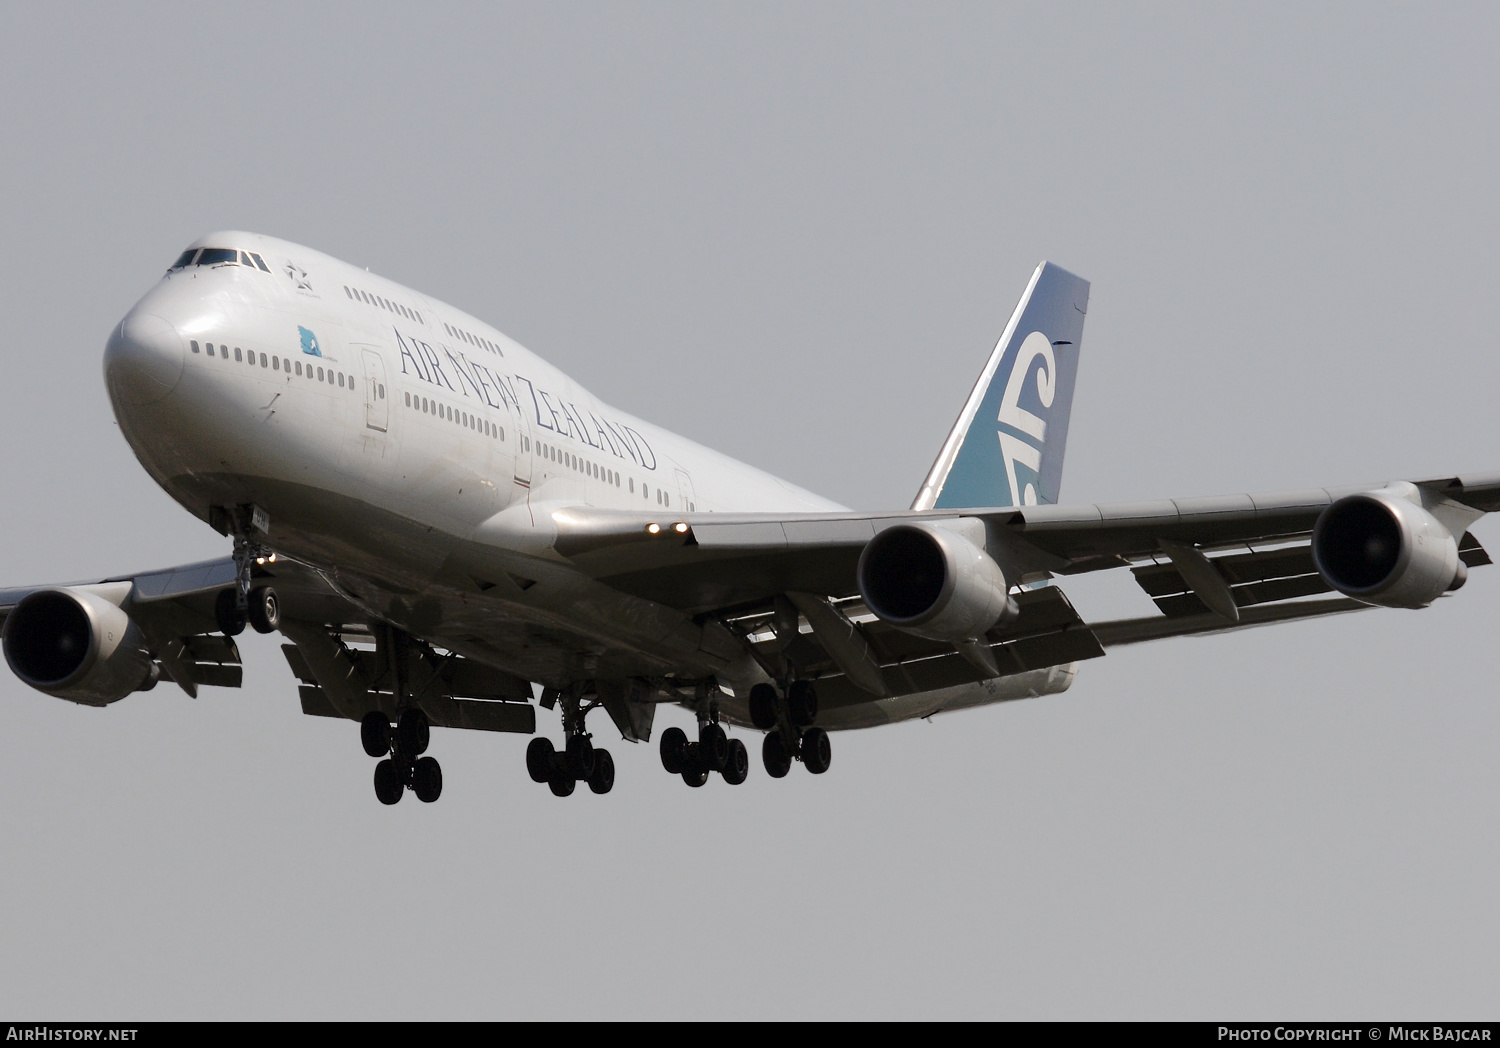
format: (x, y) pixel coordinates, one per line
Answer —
(1382, 549)
(933, 582)
(77, 646)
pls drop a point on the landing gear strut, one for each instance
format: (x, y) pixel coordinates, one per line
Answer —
(791, 734)
(713, 752)
(401, 746)
(260, 607)
(579, 760)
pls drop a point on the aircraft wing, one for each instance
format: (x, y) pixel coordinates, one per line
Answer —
(716, 561)
(1210, 565)
(174, 608)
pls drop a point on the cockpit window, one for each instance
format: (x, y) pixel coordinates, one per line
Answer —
(213, 256)
(220, 256)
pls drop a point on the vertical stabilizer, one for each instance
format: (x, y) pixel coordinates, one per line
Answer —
(1006, 449)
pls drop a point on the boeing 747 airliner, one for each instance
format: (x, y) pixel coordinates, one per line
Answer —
(435, 519)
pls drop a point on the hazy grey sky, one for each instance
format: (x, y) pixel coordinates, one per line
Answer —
(792, 232)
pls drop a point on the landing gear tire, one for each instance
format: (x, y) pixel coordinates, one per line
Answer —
(227, 616)
(540, 758)
(427, 780)
(674, 744)
(264, 611)
(375, 734)
(763, 707)
(562, 783)
(388, 784)
(713, 747)
(802, 702)
(602, 779)
(737, 765)
(816, 752)
(776, 755)
(412, 733)
(580, 756)
(695, 777)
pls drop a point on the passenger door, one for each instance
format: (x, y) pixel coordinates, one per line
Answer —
(377, 406)
(521, 448)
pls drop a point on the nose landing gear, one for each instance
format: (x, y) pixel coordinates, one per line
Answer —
(260, 607)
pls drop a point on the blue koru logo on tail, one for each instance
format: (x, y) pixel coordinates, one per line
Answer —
(1023, 430)
(1011, 442)
(309, 342)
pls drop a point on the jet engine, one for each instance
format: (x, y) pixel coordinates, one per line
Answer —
(77, 646)
(1385, 550)
(933, 582)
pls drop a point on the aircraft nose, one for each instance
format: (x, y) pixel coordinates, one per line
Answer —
(144, 359)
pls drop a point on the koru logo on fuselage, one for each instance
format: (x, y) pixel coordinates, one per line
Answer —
(309, 342)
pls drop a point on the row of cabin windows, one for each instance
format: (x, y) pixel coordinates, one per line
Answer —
(383, 303)
(457, 416)
(276, 363)
(580, 464)
(566, 458)
(474, 340)
(219, 256)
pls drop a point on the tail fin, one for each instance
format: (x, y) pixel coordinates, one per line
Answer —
(1006, 449)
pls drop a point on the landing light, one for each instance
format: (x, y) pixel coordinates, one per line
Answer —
(653, 529)
(680, 527)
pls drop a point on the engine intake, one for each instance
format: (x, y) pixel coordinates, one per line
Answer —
(933, 582)
(1385, 550)
(76, 645)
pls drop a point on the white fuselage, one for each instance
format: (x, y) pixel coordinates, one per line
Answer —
(409, 451)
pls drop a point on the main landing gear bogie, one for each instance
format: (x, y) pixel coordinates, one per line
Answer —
(713, 752)
(579, 761)
(401, 747)
(790, 732)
